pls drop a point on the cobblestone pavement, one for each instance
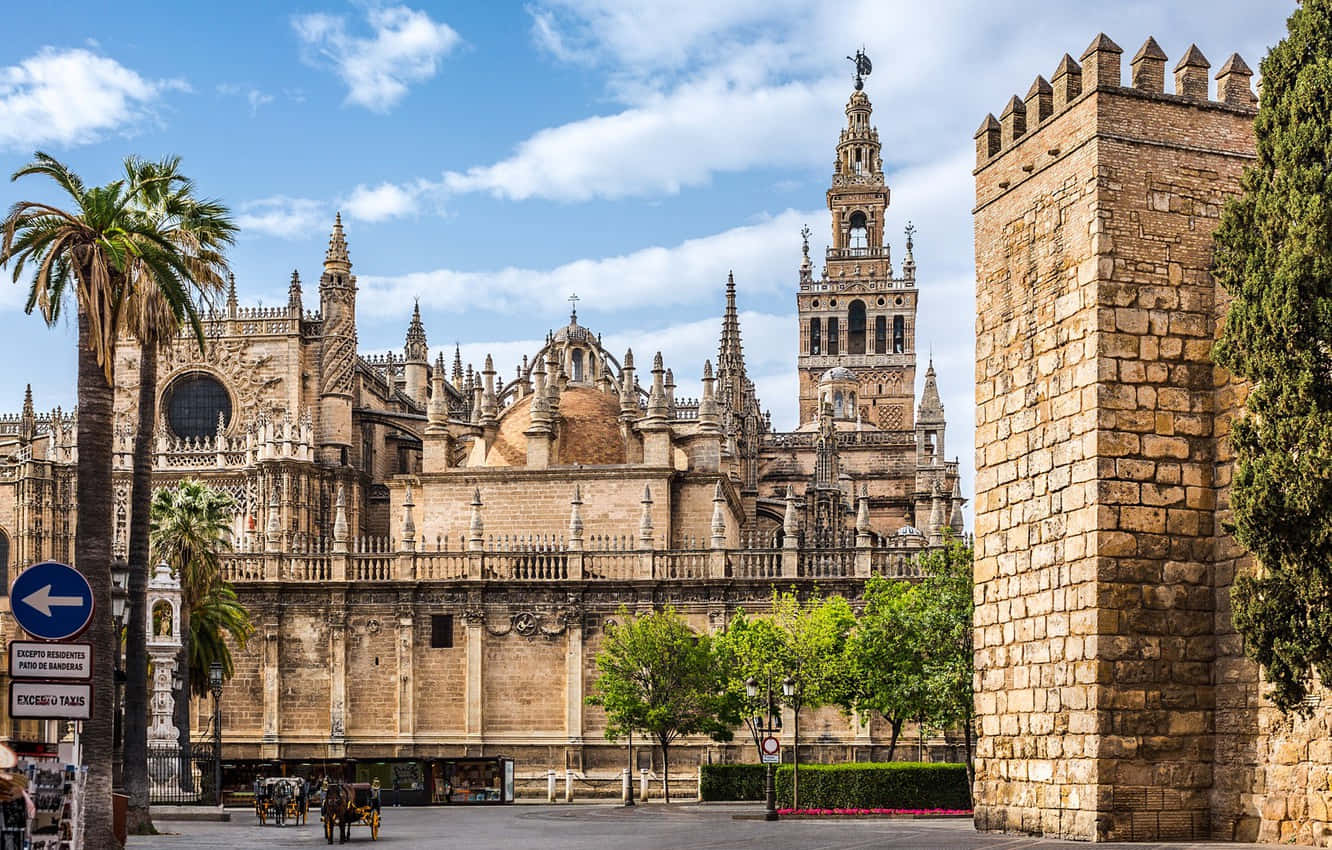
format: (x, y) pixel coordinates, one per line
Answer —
(683, 827)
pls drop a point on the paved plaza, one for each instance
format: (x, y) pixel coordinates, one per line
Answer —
(681, 827)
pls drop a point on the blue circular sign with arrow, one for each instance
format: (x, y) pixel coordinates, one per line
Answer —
(51, 601)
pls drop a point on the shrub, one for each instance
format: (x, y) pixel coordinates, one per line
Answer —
(731, 782)
(890, 785)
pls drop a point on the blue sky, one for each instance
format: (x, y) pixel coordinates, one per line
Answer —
(492, 158)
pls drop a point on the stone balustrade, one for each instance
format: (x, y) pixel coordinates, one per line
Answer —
(537, 560)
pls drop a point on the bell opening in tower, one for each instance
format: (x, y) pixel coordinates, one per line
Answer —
(855, 328)
(859, 235)
(815, 341)
(899, 335)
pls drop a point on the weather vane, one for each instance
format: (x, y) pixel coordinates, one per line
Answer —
(863, 67)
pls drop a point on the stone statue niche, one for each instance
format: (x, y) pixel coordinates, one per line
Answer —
(164, 642)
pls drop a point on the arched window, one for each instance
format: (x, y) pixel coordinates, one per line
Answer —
(880, 334)
(194, 403)
(899, 335)
(578, 364)
(859, 231)
(832, 335)
(4, 564)
(837, 404)
(855, 328)
(815, 343)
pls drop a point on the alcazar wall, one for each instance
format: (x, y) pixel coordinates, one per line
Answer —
(1113, 696)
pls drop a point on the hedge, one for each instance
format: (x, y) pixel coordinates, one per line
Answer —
(889, 785)
(731, 782)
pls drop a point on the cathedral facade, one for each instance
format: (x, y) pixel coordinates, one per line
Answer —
(431, 553)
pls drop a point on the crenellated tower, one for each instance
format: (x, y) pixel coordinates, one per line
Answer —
(337, 357)
(857, 314)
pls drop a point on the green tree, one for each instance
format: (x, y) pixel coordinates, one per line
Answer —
(885, 659)
(659, 677)
(814, 634)
(190, 525)
(751, 648)
(1272, 256)
(83, 255)
(942, 621)
(157, 307)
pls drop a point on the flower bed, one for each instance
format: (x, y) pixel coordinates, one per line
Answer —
(898, 813)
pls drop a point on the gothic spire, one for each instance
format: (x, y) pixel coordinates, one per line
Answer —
(28, 423)
(457, 365)
(337, 245)
(730, 355)
(231, 294)
(416, 349)
(293, 292)
(931, 408)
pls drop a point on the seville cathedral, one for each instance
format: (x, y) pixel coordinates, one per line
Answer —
(431, 553)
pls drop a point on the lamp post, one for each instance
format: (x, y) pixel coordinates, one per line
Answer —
(215, 685)
(119, 596)
(629, 798)
(765, 725)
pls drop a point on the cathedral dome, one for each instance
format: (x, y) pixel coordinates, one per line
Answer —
(837, 373)
(589, 430)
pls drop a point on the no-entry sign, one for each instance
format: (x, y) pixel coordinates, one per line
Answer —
(770, 750)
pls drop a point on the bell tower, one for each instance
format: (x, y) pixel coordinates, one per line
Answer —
(857, 314)
(337, 358)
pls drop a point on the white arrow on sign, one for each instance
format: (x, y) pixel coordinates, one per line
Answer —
(42, 600)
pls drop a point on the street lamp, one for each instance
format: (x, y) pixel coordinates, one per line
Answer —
(629, 797)
(119, 596)
(215, 685)
(765, 725)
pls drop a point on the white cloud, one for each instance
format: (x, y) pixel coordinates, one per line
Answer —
(405, 47)
(765, 256)
(668, 142)
(385, 201)
(283, 217)
(73, 97)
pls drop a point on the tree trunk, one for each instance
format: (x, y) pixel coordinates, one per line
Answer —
(665, 772)
(92, 548)
(896, 727)
(136, 653)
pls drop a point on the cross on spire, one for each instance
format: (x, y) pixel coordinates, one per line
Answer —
(573, 308)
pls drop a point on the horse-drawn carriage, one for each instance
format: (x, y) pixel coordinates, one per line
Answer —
(281, 799)
(347, 804)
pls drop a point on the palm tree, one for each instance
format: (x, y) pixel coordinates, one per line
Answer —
(84, 254)
(190, 530)
(199, 230)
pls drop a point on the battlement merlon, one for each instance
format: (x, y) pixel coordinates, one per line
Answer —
(1100, 72)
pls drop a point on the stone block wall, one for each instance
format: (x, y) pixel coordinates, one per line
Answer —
(1097, 454)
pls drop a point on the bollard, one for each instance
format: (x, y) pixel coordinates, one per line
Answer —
(568, 785)
(624, 786)
(550, 786)
(643, 784)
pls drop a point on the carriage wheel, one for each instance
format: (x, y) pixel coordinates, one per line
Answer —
(374, 826)
(328, 828)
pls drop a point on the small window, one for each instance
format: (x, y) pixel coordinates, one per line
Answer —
(441, 631)
(578, 364)
(815, 345)
(880, 334)
(899, 335)
(832, 335)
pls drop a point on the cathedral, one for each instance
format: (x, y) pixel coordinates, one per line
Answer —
(430, 552)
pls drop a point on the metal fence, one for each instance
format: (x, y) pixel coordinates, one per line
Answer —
(180, 776)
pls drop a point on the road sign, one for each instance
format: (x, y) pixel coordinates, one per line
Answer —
(31, 660)
(50, 700)
(770, 750)
(51, 601)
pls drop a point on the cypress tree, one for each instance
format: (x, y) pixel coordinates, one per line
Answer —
(1274, 257)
